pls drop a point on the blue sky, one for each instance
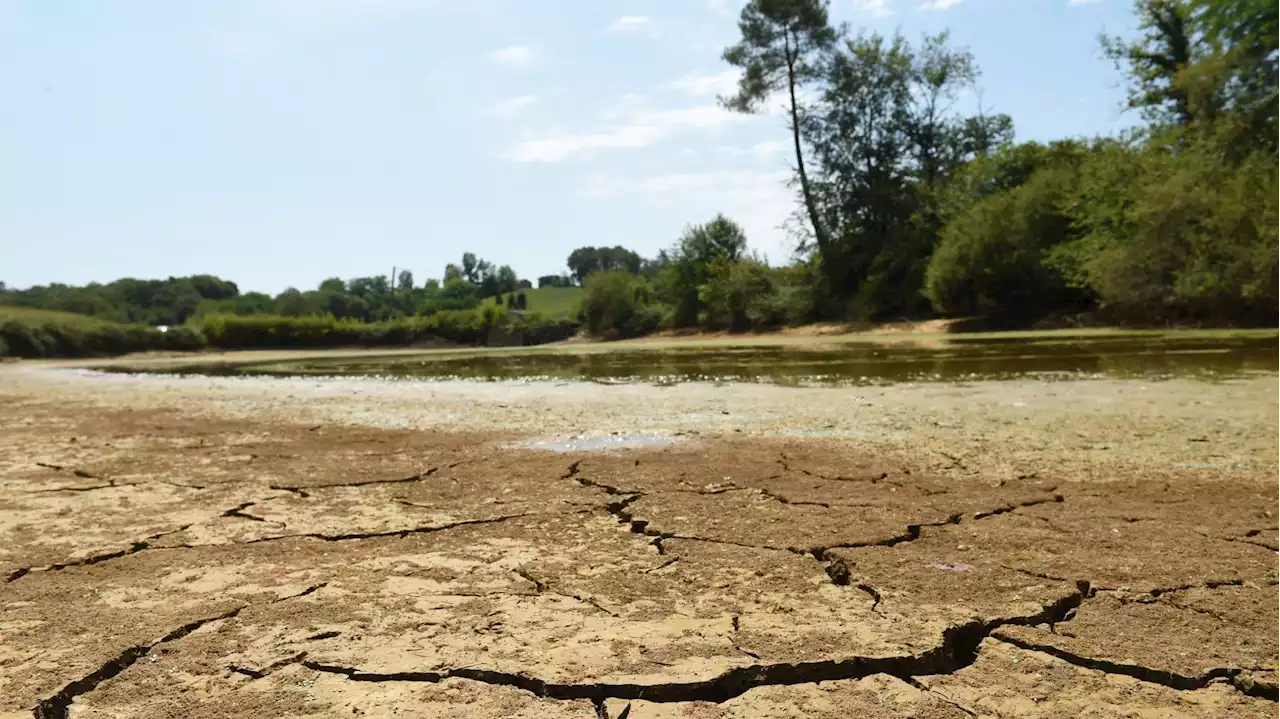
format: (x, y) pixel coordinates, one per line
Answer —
(279, 142)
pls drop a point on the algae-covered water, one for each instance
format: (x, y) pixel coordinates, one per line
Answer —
(959, 359)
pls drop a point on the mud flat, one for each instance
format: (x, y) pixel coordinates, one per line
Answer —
(179, 546)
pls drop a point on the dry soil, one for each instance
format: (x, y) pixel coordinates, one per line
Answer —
(215, 547)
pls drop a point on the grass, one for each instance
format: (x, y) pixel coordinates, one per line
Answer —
(551, 302)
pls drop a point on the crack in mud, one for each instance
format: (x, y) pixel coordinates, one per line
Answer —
(135, 547)
(940, 696)
(817, 475)
(60, 468)
(309, 590)
(791, 502)
(1173, 680)
(1056, 498)
(93, 488)
(58, 706)
(267, 670)
(958, 649)
(400, 533)
(239, 513)
(302, 491)
(544, 587)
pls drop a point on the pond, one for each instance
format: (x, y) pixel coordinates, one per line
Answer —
(827, 363)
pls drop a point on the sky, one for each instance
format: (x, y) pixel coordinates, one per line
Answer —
(279, 142)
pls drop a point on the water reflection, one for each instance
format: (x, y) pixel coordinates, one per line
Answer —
(951, 360)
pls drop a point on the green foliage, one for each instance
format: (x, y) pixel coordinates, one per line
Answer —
(1166, 48)
(740, 295)
(554, 281)
(585, 260)
(991, 259)
(687, 267)
(1174, 232)
(129, 301)
(43, 333)
(469, 327)
(616, 305)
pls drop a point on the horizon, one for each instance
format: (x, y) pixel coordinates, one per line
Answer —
(279, 143)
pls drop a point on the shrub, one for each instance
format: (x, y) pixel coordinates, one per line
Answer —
(991, 258)
(40, 333)
(615, 305)
(738, 296)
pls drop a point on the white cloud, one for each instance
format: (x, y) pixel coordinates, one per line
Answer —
(515, 56)
(874, 8)
(941, 4)
(513, 106)
(720, 83)
(632, 23)
(636, 129)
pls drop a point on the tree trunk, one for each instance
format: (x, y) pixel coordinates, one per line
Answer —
(824, 243)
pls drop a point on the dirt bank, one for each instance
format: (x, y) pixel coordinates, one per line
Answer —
(213, 547)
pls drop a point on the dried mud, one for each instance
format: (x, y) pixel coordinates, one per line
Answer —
(191, 549)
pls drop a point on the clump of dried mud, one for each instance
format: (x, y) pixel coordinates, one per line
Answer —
(179, 552)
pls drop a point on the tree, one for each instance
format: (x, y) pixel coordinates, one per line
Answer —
(507, 280)
(582, 262)
(333, 284)
(1241, 70)
(885, 141)
(404, 282)
(690, 262)
(1155, 61)
(498, 300)
(940, 73)
(782, 47)
(469, 266)
(452, 272)
(862, 138)
(291, 303)
(213, 288)
(616, 305)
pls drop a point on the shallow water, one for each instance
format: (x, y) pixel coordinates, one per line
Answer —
(1148, 356)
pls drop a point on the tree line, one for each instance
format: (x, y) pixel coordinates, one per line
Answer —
(909, 208)
(176, 300)
(906, 206)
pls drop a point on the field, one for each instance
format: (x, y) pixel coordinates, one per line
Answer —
(550, 301)
(210, 546)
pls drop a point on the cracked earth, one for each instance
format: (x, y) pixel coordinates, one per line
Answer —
(208, 547)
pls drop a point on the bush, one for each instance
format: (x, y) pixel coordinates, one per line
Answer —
(468, 327)
(1177, 232)
(40, 333)
(991, 258)
(739, 295)
(616, 305)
